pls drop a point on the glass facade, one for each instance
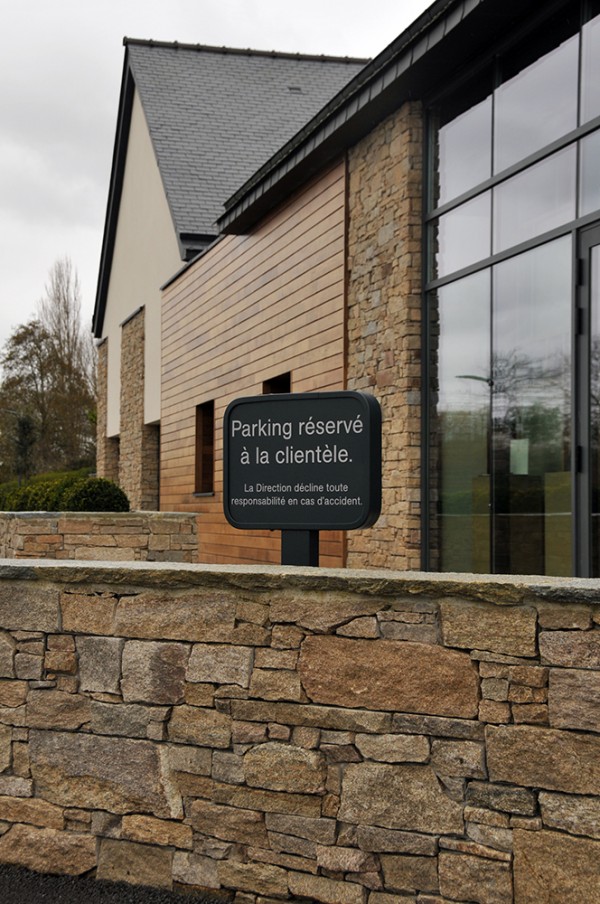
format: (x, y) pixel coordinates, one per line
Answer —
(513, 364)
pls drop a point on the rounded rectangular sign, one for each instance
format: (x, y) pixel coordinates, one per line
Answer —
(306, 461)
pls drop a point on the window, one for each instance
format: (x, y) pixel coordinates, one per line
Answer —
(279, 384)
(512, 365)
(205, 447)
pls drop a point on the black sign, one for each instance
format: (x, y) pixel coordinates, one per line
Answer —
(309, 461)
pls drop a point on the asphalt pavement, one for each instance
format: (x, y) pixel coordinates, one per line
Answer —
(21, 886)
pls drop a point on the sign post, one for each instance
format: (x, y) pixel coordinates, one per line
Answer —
(302, 463)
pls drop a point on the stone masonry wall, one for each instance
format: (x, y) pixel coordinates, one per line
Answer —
(107, 447)
(384, 324)
(123, 536)
(138, 448)
(274, 734)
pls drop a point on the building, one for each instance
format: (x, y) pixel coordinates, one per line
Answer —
(431, 235)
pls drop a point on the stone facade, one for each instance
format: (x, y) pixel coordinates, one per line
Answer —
(384, 323)
(107, 447)
(106, 536)
(139, 442)
(268, 734)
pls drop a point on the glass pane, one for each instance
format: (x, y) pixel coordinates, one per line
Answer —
(590, 174)
(590, 70)
(460, 424)
(465, 151)
(536, 106)
(463, 236)
(531, 410)
(595, 407)
(536, 200)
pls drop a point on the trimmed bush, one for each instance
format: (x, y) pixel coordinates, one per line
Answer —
(94, 494)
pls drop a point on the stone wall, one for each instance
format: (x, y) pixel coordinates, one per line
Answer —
(384, 324)
(107, 447)
(277, 734)
(122, 536)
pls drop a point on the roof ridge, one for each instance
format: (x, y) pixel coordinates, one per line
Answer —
(239, 51)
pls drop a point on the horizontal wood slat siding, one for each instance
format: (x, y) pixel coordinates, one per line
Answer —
(252, 308)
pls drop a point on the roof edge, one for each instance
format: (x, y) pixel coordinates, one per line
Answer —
(244, 51)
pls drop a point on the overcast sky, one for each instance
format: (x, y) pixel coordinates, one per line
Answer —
(60, 72)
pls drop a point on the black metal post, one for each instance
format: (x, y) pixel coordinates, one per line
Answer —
(300, 547)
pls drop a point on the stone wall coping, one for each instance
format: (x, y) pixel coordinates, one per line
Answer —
(84, 516)
(502, 590)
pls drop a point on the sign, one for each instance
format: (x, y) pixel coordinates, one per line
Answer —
(307, 461)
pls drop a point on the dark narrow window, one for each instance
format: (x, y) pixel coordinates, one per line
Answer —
(205, 447)
(281, 383)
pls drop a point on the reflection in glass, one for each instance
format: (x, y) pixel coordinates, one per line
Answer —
(595, 407)
(531, 412)
(589, 189)
(465, 151)
(463, 235)
(536, 106)
(536, 200)
(462, 423)
(590, 70)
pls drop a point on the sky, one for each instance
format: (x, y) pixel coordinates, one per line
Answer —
(60, 75)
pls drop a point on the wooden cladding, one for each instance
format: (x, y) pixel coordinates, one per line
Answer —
(256, 313)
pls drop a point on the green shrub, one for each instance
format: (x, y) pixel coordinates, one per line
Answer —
(94, 494)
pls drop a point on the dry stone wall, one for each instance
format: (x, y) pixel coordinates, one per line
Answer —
(273, 734)
(100, 536)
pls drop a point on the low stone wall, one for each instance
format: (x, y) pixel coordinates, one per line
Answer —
(278, 734)
(120, 536)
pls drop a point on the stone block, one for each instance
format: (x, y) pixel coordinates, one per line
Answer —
(398, 797)
(410, 873)
(15, 786)
(574, 699)
(282, 767)
(468, 878)
(504, 798)
(329, 891)
(7, 653)
(464, 759)
(321, 611)
(551, 866)
(203, 616)
(389, 675)
(27, 607)
(154, 672)
(100, 663)
(118, 775)
(370, 838)
(5, 747)
(137, 864)
(510, 630)
(149, 830)
(31, 811)
(440, 727)
(322, 831)
(392, 748)
(13, 693)
(56, 709)
(205, 727)
(132, 720)
(570, 813)
(29, 667)
(280, 684)
(544, 758)
(229, 823)
(327, 717)
(88, 613)
(220, 664)
(259, 878)
(47, 850)
(336, 858)
(571, 649)
(192, 869)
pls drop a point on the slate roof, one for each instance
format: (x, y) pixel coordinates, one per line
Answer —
(215, 115)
